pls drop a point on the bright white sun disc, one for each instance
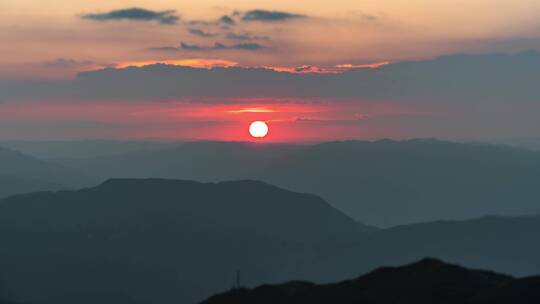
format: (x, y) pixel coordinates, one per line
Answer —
(258, 129)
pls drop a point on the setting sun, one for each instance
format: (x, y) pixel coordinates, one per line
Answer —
(258, 129)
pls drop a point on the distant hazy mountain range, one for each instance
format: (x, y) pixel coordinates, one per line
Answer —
(11, 185)
(82, 148)
(163, 241)
(20, 173)
(382, 183)
(427, 281)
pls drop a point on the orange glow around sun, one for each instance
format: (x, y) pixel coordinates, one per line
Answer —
(291, 120)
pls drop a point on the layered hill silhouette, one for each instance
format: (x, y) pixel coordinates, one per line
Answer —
(502, 244)
(382, 183)
(12, 185)
(427, 281)
(130, 241)
(55, 149)
(200, 160)
(21, 173)
(162, 241)
(387, 183)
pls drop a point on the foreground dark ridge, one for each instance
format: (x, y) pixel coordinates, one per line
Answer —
(427, 281)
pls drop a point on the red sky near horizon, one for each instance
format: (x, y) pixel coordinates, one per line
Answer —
(298, 121)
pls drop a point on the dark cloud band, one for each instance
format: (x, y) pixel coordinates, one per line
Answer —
(221, 46)
(464, 80)
(201, 33)
(270, 16)
(184, 46)
(245, 36)
(135, 13)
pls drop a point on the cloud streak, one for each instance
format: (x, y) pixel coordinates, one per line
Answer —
(201, 33)
(224, 20)
(216, 47)
(136, 14)
(245, 36)
(270, 16)
(227, 20)
(68, 63)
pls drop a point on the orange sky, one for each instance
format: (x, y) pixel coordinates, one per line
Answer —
(57, 39)
(36, 33)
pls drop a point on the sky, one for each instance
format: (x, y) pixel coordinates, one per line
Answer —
(71, 69)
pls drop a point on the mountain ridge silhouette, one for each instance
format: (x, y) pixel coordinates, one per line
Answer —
(22, 173)
(382, 183)
(426, 281)
(116, 239)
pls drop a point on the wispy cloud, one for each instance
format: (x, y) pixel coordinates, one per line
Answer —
(68, 63)
(224, 20)
(355, 119)
(251, 110)
(201, 33)
(215, 47)
(304, 69)
(204, 63)
(227, 20)
(270, 16)
(245, 36)
(244, 46)
(163, 49)
(374, 65)
(135, 13)
(192, 47)
(221, 46)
